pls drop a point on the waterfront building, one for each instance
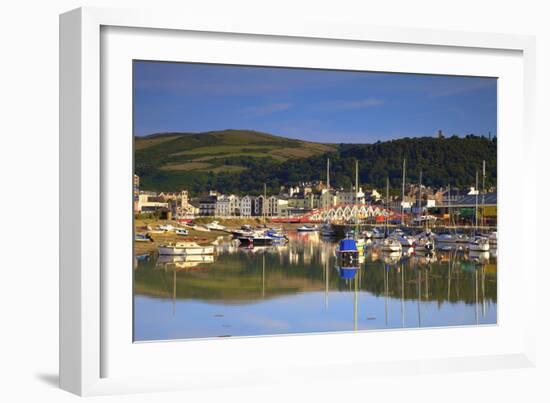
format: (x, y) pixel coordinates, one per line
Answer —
(328, 198)
(136, 194)
(309, 201)
(207, 205)
(227, 206)
(151, 203)
(179, 203)
(259, 206)
(246, 206)
(350, 198)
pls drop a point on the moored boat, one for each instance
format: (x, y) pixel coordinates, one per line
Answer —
(479, 244)
(143, 238)
(256, 238)
(307, 228)
(424, 243)
(389, 245)
(405, 240)
(185, 248)
(215, 225)
(181, 231)
(347, 249)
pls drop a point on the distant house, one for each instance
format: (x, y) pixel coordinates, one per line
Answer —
(351, 198)
(207, 206)
(227, 206)
(246, 206)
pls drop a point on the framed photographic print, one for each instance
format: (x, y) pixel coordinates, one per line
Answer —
(237, 199)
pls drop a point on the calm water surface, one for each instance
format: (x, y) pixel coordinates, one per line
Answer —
(299, 288)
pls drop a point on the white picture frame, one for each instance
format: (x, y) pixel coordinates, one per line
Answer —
(96, 356)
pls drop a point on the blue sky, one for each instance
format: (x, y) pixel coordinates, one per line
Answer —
(315, 105)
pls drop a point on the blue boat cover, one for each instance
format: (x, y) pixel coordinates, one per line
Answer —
(347, 273)
(347, 245)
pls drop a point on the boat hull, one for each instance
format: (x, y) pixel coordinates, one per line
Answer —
(176, 251)
(255, 241)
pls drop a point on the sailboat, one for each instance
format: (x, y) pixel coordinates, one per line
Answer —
(347, 249)
(388, 243)
(478, 243)
(327, 230)
(406, 241)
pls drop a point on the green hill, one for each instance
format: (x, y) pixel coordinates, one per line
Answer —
(169, 161)
(241, 161)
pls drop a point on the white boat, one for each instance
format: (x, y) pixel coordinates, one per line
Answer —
(389, 245)
(479, 244)
(143, 238)
(181, 231)
(201, 228)
(256, 238)
(215, 225)
(376, 233)
(445, 237)
(185, 248)
(479, 257)
(307, 228)
(493, 238)
(166, 227)
(404, 240)
(424, 244)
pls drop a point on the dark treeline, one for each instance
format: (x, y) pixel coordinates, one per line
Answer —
(443, 161)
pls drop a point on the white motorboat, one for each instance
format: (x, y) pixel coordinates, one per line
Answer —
(405, 240)
(143, 238)
(256, 238)
(479, 257)
(181, 231)
(376, 233)
(166, 227)
(493, 238)
(389, 245)
(307, 228)
(215, 226)
(479, 244)
(424, 244)
(445, 237)
(185, 249)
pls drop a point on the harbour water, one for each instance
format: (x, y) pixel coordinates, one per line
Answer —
(299, 288)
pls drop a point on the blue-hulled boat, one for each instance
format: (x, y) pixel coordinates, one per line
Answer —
(347, 272)
(347, 249)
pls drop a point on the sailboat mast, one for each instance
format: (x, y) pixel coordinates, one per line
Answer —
(403, 192)
(356, 181)
(387, 200)
(483, 195)
(356, 197)
(328, 183)
(477, 193)
(265, 201)
(420, 196)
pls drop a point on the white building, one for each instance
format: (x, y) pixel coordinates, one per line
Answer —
(258, 208)
(328, 198)
(246, 206)
(350, 198)
(227, 206)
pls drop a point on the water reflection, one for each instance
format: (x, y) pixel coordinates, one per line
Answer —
(300, 287)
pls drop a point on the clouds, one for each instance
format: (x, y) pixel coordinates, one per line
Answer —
(267, 109)
(348, 104)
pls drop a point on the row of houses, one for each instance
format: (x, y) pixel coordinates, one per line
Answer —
(294, 201)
